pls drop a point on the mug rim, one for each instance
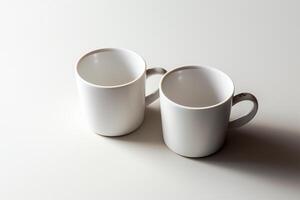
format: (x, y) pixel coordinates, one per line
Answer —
(195, 67)
(109, 49)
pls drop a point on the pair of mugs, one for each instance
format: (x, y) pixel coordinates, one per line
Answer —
(195, 101)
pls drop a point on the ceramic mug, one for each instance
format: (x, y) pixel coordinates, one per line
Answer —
(195, 105)
(111, 84)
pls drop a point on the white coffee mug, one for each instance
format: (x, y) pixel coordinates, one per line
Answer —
(195, 105)
(111, 84)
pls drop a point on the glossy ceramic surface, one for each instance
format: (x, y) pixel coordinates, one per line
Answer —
(111, 84)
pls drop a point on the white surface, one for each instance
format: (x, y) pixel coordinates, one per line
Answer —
(47, 151)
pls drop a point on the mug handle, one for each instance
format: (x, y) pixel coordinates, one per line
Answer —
(155, 95)
(245, 119)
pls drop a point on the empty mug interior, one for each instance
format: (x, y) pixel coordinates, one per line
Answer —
(111, 67)
(196, 86)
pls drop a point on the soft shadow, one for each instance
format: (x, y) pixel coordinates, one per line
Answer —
(262, 151)
(150, 132)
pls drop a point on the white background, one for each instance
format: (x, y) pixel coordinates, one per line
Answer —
(47, 150)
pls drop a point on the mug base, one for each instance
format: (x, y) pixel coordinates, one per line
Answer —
(121, 134)
(199, 156)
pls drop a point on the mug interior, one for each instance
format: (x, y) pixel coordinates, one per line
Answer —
(196, 86)
(111, 67)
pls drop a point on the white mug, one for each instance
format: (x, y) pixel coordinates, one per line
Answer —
(111, 84)
(195, 105)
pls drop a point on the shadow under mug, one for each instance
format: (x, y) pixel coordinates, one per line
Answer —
(111, 84)
(195, 103)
